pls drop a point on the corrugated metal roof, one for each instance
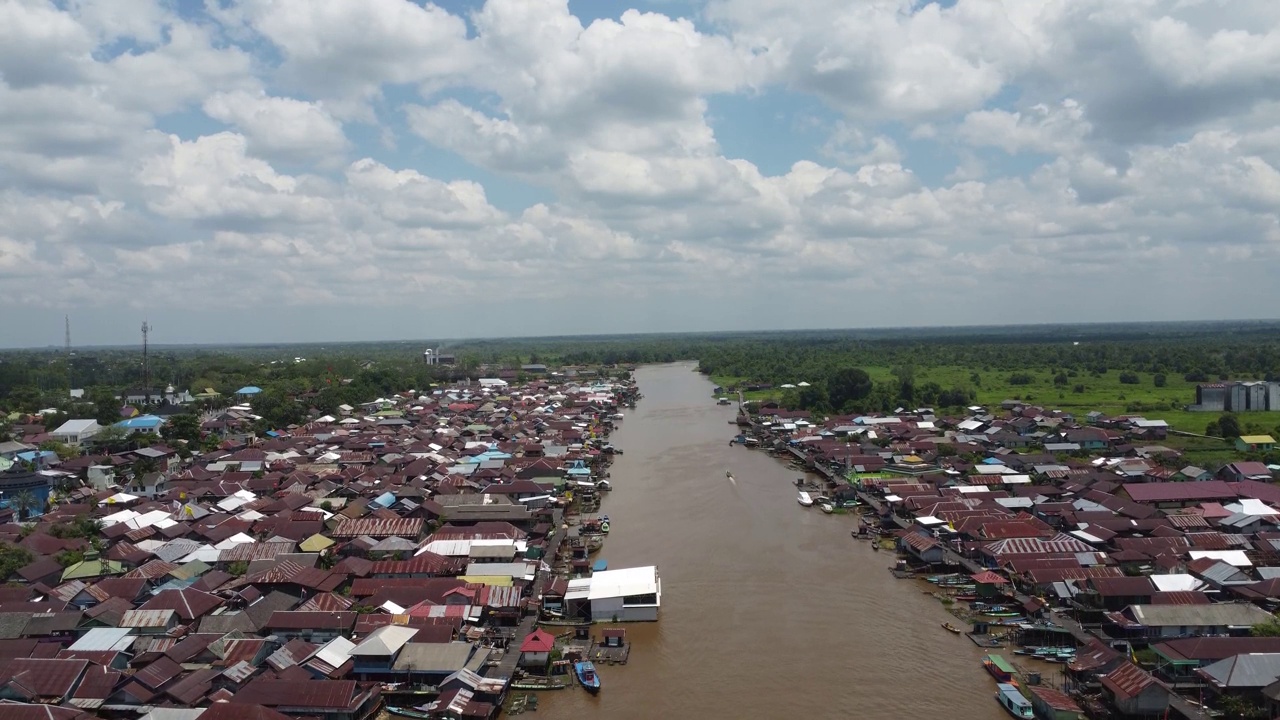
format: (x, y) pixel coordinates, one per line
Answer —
(379, 528)
(146, 618)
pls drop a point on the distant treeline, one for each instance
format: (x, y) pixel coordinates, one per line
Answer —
(335, 373)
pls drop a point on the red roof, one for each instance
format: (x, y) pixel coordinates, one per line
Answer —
(1127, 681)
(1179, 491)
(539, 641)
(987, 577)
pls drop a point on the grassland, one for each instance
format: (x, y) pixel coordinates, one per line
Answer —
(1103, 392)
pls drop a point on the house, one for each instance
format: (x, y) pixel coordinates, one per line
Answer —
(1133, 691)
(627, 595)
(76, 432)
(1246, 674)
(535, 651)
(376, 654)
(143, 424)
(1178, 660)
(322, 699)
(1241, 471)
(42, 680)
(1172, 621)
(1050, 704)
(923, 547)
(1255, 443)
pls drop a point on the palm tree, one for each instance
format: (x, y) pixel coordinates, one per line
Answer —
(24, 501)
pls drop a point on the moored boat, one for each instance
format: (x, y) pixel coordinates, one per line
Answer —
(951, 628)
(999, 668)
(1011, 699)
(827, 508)
(587, 677)
(804, 499)
(407, 712)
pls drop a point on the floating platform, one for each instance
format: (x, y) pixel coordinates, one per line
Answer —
(612, 655)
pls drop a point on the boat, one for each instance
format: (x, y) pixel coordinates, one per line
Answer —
(999, 668)
(827, 508)
(1011, 699)
(723, 401)
(586, 672)
(804, 499)
(951, 628)
(407, 712)
(535, 682)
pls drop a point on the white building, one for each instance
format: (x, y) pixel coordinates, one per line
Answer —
(627, 595)
(75, 432)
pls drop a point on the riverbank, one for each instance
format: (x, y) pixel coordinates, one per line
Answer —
(769, 610)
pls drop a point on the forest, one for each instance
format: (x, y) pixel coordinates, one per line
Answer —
(1149, 368)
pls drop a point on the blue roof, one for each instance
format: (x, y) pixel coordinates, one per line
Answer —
(142, 422)
(992, 461)
(600, 565)
(249, 390)
(30, 455)
(386, 499)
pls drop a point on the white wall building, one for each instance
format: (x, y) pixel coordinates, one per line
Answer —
(627, 595)
(75, 432)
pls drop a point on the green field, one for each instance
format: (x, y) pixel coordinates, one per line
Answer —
(1103, 392)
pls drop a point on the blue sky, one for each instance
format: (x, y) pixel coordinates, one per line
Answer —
(325, 170)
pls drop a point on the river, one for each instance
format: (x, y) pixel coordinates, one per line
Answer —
(769, 610)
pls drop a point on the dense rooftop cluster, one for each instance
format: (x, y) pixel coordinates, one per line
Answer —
(306, 572)
(1168, 572)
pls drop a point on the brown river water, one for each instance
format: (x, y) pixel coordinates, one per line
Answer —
(769, 610)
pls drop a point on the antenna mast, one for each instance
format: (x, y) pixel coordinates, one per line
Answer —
(146, 368)
(68, 335)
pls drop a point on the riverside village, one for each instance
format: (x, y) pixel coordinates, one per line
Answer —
(441, 554)
(425, 555)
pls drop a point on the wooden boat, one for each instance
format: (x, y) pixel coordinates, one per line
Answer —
(999, 668)
(587, 677)
(539, 683)
(804, 499)
(1011, 699)
(951, 628)
(407, 712)
(964, 597)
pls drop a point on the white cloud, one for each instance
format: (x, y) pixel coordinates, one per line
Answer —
(280, 127)
(543, 160)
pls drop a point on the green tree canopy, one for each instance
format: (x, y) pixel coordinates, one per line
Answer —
(848, 386)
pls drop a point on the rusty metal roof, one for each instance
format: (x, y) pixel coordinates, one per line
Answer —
(147, 618)
(304, 695)
(380, 528)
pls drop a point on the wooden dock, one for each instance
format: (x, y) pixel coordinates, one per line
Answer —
(617, 655)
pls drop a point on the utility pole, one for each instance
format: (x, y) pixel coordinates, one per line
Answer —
(67, 358)
(146, 368)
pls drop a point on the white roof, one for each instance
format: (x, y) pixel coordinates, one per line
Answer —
(994, 470)
(1016, 479)
(104, 639)
(579, 589)
(75, 427)
(118, 517)
(627, 581)
(972, 488)
(1250, 506)
(234, 540)
(335, 652)
(1176, 582)
(1234, 558)
(386, 640)
(930, 520)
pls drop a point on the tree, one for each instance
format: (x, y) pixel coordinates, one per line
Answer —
(1061, 379)
(24, 502)
(848, 385)
(184, 426)
(1229, 425)
(12, 558)
(1159, 380)
(112, 438)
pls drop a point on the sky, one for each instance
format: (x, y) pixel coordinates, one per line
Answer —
(321, 170)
